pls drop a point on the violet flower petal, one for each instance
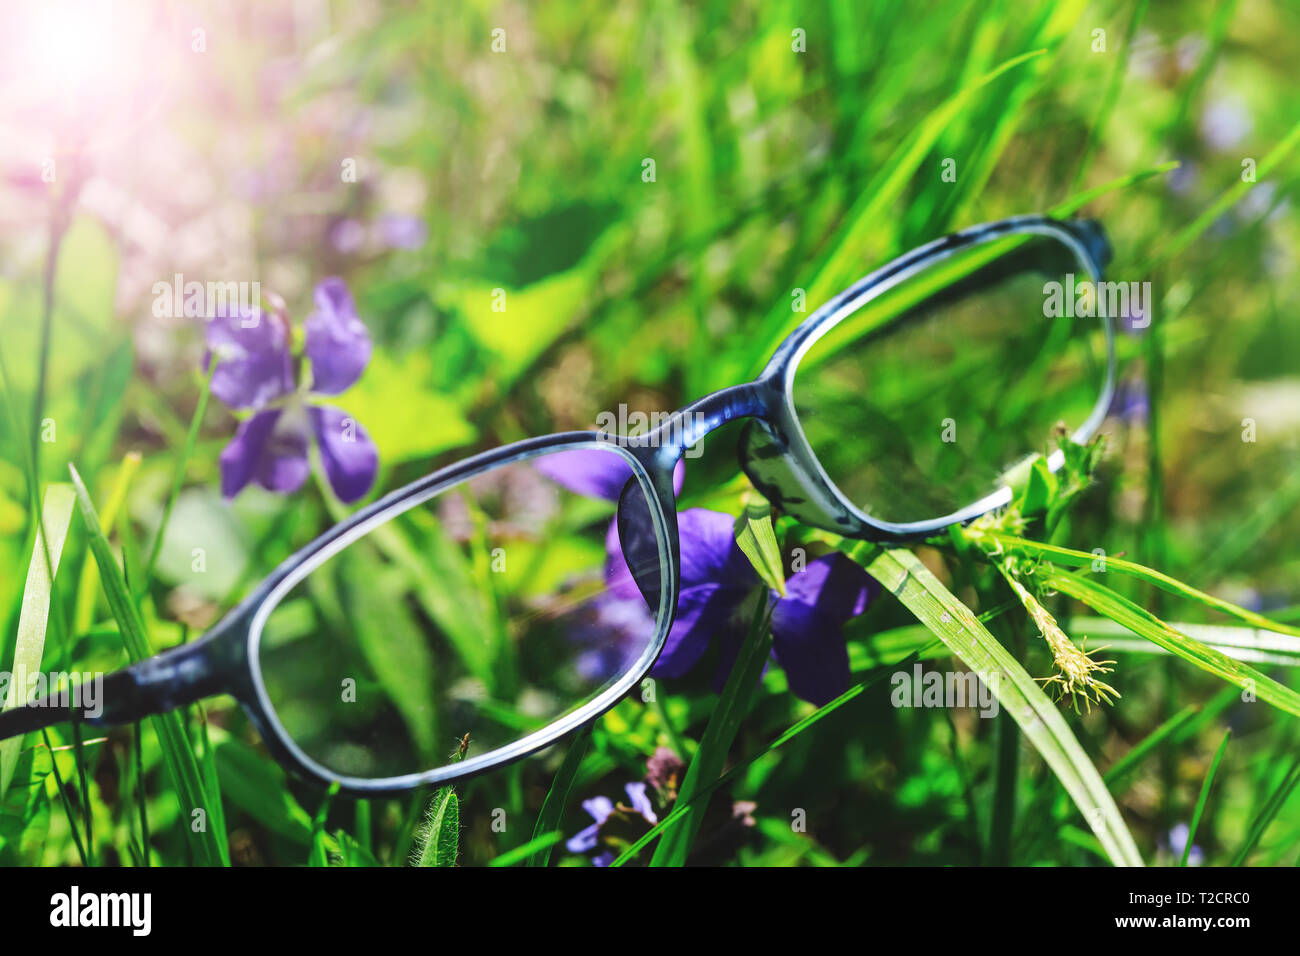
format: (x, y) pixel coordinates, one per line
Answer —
(584, 840)
(350, 458)
(599, 807)
(709, 551)
(703, 612)
(337, 341)
(595, 473)
(397, 231)
(253, 363)
(715, 580)
(807, 625)
(639, 802)
(663, 767)
(587, 471)
(266, 448)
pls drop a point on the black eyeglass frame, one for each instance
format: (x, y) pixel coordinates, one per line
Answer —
(225, 660)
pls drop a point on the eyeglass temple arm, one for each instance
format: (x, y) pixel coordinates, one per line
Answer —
(157, 684)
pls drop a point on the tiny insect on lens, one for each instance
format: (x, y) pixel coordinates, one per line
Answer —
(493, 609)
(919, 403)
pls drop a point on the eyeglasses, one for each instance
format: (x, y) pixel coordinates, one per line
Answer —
(521, 593)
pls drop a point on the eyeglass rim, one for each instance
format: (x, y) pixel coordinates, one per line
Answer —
(847, 517)
(225, 660)
(530, 743)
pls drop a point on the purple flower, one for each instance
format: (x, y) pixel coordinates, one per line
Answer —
(402, 232)
(254, 363)
(716, 588)
(717, 584)
(664, 771)
(337, 341)
(346, 236)
(595, 473)
(1131, 402)
(1177, 843)
(601, 809)
(1183, 179)
(1225, 123)
(255, 371)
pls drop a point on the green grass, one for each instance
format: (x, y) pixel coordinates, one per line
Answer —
(781, 176)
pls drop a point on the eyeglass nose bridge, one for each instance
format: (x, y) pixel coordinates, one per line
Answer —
(767, 457)
(663, 447)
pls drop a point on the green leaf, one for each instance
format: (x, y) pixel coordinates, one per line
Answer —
(1040, 489)
(352, 853)
(558, 796)
(902, 573)
(389, 639)
(258, 786)
(178, 751)
(25, 810)
(404, 416)
(320, 840)
(440, 833)
(516, 325)
(56, 516)
(529, 851)
(757, 538)
(1204, 798)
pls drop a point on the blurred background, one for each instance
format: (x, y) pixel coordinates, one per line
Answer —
(647, 184)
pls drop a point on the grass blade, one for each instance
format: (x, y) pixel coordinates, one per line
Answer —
(56, 517)
(1269, 811)
(556, 799)
(84, 607)
(684, 806)
(1145, 624)
(1042, 724)
(1111, 95)
(1080, 559)
(178, 751)
(865, 217)
(1240, 643)
(178, 478)
(212, 784)
(1204, 798)
(733, 704)
(538, 846)
(1186, 236)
